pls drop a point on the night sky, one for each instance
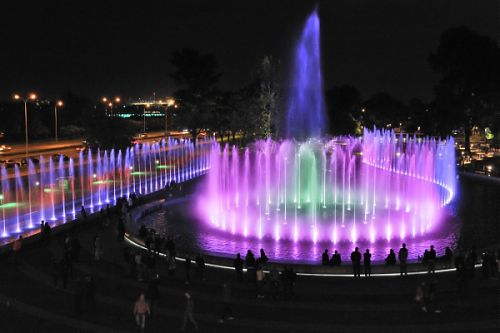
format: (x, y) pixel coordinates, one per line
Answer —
(112, 48)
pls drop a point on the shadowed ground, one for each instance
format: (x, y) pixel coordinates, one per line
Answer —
(319, 305)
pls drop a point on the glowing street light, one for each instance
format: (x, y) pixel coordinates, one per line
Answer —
(57, 104)
(170, 102)
(31, 97)
(146, 106)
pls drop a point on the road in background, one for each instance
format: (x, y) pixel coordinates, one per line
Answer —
(65, 147)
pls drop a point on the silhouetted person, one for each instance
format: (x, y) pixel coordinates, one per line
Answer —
(227, 311)
(356, 262)
(325, 259)
(200, 268)
(288, 278)
(16, 249)
(250, 259)
(448, 255)
(78, 297)
(141, 309)
(64, 269)
(75, 249)
(89, 292)
(42, 231)
(47, 230)
(143, 232)
(473, 254)
(187, 266)
(391, 258)
(336, 259)
(430, 303)
(189, 313)
(367, 263)
(264, 259)
(462, 275)
(83, 212)
(403, 260)
(431, 262)
(170, 246)
(238, 266)
(121, 229)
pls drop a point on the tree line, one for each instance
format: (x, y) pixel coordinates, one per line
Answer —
(467, 94)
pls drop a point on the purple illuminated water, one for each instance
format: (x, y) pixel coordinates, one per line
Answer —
(54, 190)
(351, 189)
(312, 190)
(306, 108)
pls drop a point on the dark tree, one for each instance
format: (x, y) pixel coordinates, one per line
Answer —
(108, 132)
(383, 110)
(73, 115)
(344, 109)
(196, 74)
(468, 91)
(420, 117)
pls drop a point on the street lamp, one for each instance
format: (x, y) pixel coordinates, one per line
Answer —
(4, 233)
(146, 106)
(57, 104)
(170, 102)
(31, 97)
(109, 103)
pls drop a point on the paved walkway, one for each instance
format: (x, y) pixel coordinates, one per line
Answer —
(319, 304)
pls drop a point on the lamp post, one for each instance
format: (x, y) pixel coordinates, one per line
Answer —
(108, 102)
(146, 106)
(4, 233)
(170, 102)
(57, 104)
(31, 97)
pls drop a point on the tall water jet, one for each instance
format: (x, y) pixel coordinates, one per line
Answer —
(376, 188)
(306, 106)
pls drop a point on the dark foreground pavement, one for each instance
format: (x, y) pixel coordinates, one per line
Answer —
(29, 301)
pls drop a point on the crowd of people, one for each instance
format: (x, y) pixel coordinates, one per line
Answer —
(269, 282)
(490, 260)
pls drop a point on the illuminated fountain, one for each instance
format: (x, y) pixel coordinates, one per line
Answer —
(308, 188)
(54, 190)
(345, 188)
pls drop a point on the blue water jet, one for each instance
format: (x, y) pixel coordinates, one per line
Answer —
(306, 108)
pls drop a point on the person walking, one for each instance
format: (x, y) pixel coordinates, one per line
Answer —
(42, 231)
(16, 249)
(200, 268)
(238, 267)
(141, 309)
(367, 263)
(189, 313)
(187, 267)
(227, 311)
(356, 262)
(83, 213)
(325, 258)
(403, 258)
(97, 248)
(431, 262)
(390, 260)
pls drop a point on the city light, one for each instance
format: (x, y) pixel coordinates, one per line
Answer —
(60, 103)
